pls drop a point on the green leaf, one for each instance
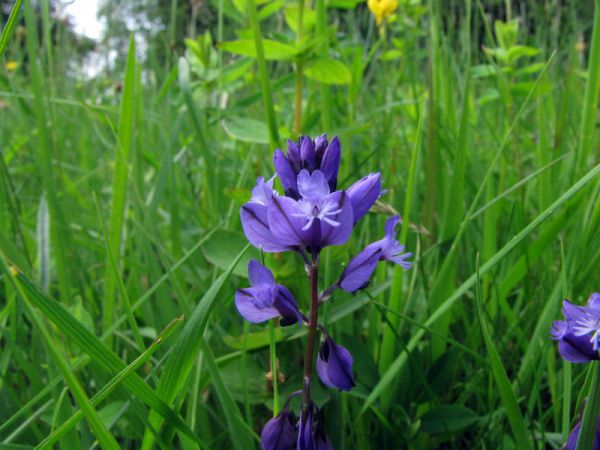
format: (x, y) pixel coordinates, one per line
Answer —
(247, 130)
(274, 50)
(447, 419)
(185, 349)
(9, 28)
(328, 71)
(222, 249)
(519, 51)
(98, 351)
(239, 432)
(309, 18)
(508, 397)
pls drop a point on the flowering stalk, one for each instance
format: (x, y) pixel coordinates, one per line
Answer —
(311, 214)
(313, 274)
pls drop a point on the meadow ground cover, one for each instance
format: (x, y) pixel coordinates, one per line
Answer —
(135, 227)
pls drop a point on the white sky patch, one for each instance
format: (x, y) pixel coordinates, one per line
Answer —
(84, 17)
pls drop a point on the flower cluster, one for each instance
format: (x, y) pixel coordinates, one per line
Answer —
(578, 338)
(311, 214)
(579, 333)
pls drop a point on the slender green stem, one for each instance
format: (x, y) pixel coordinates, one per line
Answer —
(274, 370)
(312, 327)
(592, 87)
(263, 74)
(587, 431)
(299, 73)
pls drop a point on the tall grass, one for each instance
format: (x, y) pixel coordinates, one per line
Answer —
(119, 215)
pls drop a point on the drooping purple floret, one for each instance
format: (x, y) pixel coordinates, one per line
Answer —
(364, 193)
(579, 333)
(334, 365)
(574, 435)
(311, 431)
(307, 155)
(279, 433)
(265, 299)
(359, 270)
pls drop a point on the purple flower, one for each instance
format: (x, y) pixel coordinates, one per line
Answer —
(318, 219)
(574, 435)
(255, 218)
(309, 155)
(311, 431)
(364, 193)
(334, 365)
(359, 270)
(265, 299)
(279, 433)
(305, 431)
(578, 334)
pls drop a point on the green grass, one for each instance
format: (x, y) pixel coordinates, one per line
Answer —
(121, 245)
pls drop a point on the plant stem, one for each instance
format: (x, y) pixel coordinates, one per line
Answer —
(312, 327)
(273, 362)
(590, 99)
(299, 73)
(263, 74)
(590, 413)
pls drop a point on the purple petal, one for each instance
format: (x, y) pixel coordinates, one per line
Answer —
(321, 441)
(559, 330)
(573, 312)
(574, 435)
(312, 186)
(390, 227)
(286, 228)
(287, 306)
(286, 173)
(305, 431)
(294, 155)
(364, 193)
(337, 235)
(256, 228)
(320, 147)
(307, 153)
(594, 301)
(259, 275)
(577, 349)
(279, 433)
(334, 365)
(359, 270)
(254, 306)
(330, 164)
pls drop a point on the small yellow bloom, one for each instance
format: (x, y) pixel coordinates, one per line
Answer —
(382, 9)
(11, 65)
(14, 271)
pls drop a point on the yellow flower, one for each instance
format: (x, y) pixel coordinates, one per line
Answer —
(382, 9)
(11, 65)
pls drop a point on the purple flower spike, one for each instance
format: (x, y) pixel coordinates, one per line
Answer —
(359, 270)
(334, 365)
(265, 299)
(279, 433)
(579, 334)
(255, 221)
(364, 193)
(308, 155)
(574, 435)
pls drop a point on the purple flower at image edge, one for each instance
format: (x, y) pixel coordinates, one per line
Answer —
(574, 435)
(579, 333)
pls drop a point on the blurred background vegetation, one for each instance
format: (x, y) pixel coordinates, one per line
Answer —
(125, 160)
